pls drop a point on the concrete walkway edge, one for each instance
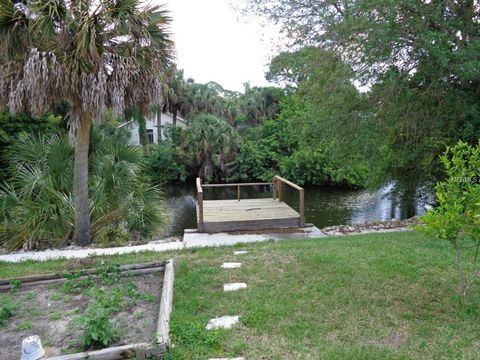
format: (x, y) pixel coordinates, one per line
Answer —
(190, 240)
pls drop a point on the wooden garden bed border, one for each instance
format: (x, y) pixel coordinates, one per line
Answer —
(140, 350)
(134, 269)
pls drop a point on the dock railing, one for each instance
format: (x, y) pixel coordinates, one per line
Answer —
(200, 204)
(278, 195)
(276, 184)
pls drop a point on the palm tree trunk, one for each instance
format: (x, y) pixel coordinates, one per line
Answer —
(142, 133)
(174, 116)
(159, 125)
(82, 211)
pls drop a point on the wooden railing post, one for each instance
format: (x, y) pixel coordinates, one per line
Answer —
(302, 208)
(277, 193)
(200, 204)
(280, 191)
(238, 192)
(273, 187)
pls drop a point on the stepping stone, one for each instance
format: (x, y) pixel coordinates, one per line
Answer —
(234, 286)
(231, 265)
(225, 322)
(240, 252)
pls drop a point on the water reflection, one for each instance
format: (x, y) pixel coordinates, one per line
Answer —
(324, 206)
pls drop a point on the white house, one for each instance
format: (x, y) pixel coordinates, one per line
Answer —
(151, 123)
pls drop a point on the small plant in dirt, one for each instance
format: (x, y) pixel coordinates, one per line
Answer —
(54, 316)
(7, 310)
(149, 297)
(109, 273)
(76, 281)
(130, 290)
(25, 325)
(111, 299)
(98, 330)
(15, 285)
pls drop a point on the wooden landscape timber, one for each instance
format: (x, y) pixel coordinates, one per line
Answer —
(215, 216)
(140, 351)
(134, 269)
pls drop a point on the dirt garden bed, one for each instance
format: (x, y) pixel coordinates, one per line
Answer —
(109, 312)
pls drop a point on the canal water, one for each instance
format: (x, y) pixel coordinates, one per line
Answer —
(324, 206)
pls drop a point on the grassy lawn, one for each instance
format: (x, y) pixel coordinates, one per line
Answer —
(382, 296)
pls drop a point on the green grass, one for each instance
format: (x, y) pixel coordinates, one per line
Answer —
(382, 296)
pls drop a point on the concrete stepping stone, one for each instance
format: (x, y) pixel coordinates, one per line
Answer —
(224, 322)
(231, 265)
(234, 286)
(240, 252)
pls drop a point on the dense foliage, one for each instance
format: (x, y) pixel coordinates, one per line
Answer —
(302, 131)
(167, 165)
(37, 204)
(14, 127)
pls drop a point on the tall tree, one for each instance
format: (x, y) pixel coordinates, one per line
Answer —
(94, 54)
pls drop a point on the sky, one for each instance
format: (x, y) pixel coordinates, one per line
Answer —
(214, 42)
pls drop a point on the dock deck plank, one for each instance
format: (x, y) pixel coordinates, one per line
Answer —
(248, 214)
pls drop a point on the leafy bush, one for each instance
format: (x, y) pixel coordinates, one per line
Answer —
(318, 167)
(253, 162)
(36, 207)
(262, 150)
(457, 217)
(275, 148)
(14, 127)
(166, 164)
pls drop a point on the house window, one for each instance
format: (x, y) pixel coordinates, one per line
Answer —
(150, 136)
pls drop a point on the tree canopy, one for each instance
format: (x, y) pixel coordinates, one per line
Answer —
(417, 60)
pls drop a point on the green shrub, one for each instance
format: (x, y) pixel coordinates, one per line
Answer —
(14, 127)
(457, 216)
(166, 164)
(319, 167)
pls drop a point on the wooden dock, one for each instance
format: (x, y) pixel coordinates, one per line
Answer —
(249, 214)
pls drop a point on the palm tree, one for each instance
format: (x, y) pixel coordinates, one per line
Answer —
(176, 93)
(204, 98)
(259, 103)
(94, 54)
(212, 143)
